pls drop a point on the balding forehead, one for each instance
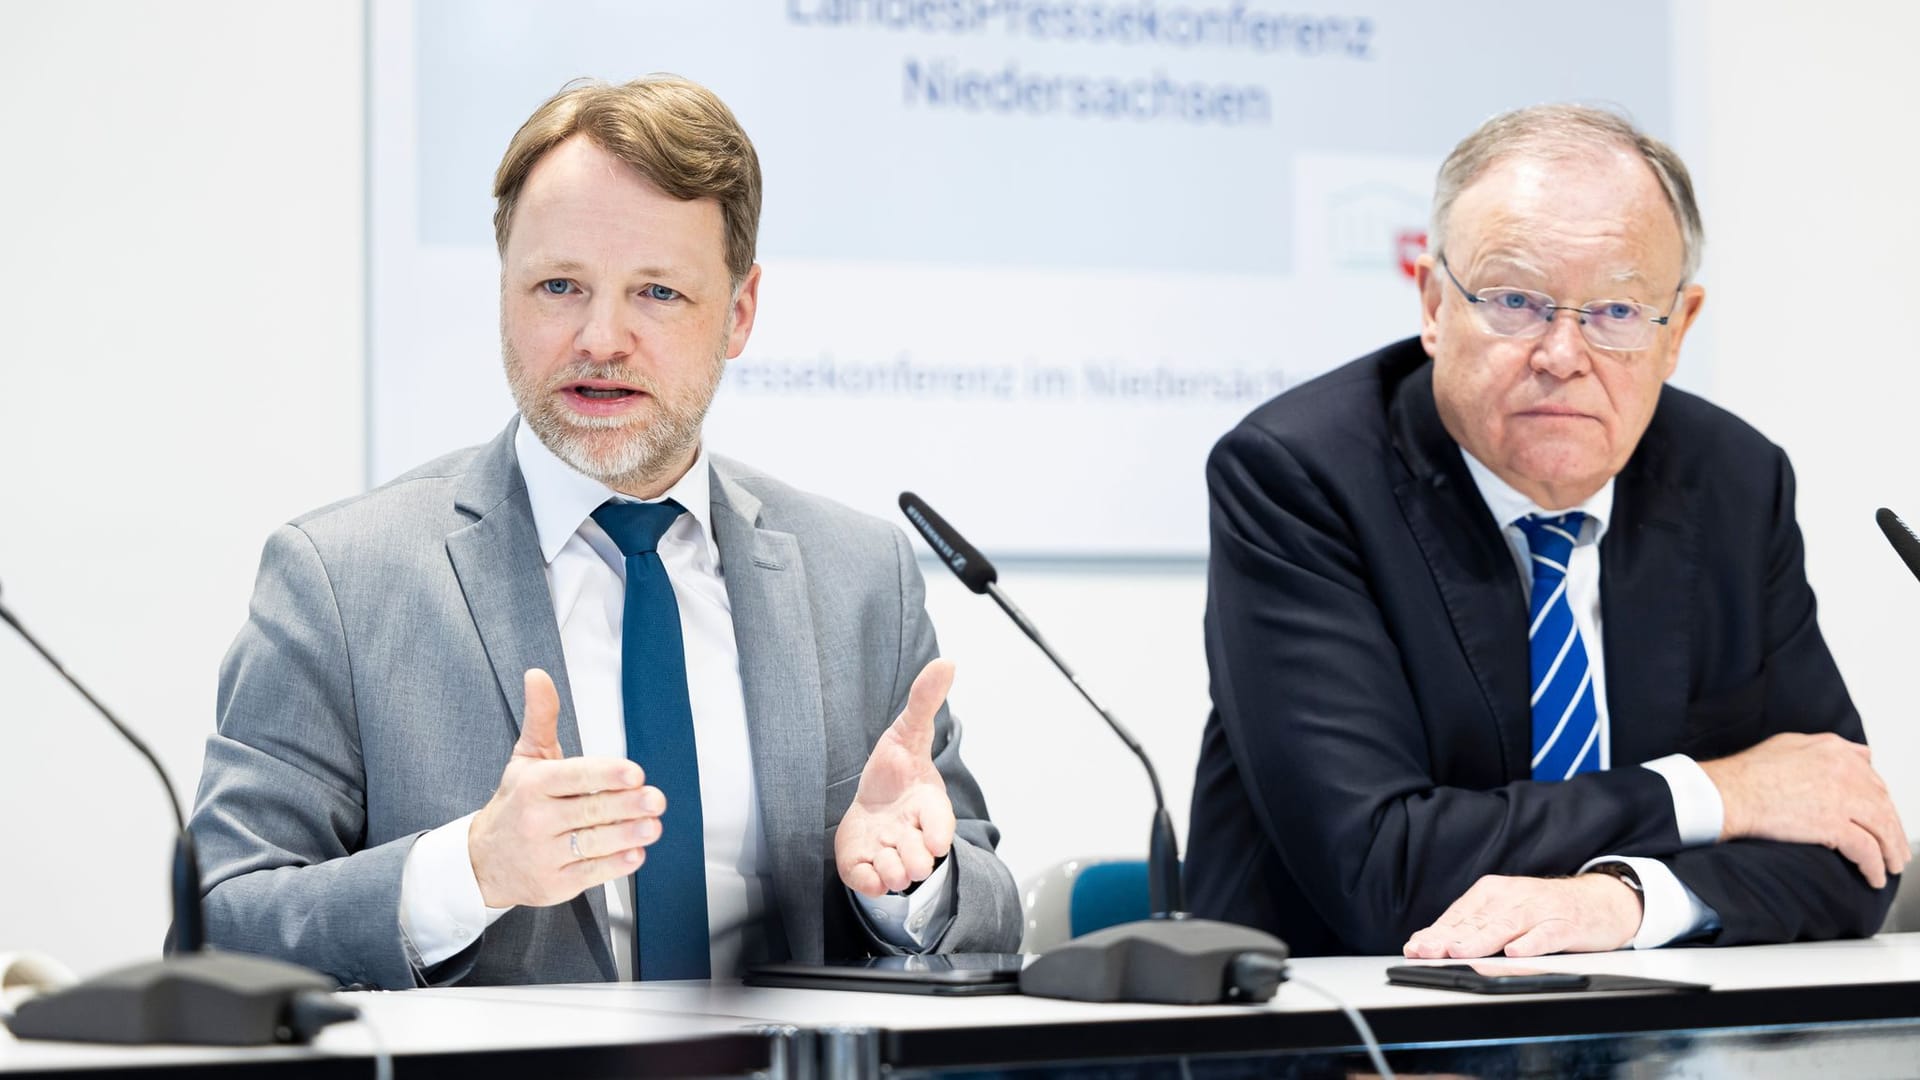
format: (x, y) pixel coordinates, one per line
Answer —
(1566, 133)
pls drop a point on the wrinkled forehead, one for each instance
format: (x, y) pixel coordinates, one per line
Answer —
(1594, 216)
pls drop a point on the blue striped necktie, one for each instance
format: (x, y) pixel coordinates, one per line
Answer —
(670, 904)
(1566, 723)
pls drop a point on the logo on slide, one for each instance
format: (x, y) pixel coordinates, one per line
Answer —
(1411, 243)
(1376, 226)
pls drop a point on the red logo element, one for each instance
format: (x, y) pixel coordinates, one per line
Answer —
(1409, 245)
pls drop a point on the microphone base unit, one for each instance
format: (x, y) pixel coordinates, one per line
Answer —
(1171, 960)
(205, 998)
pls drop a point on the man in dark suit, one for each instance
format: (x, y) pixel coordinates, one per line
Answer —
(1511, 645)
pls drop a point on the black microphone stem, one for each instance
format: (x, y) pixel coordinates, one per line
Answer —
(189, 921)
(1020, 619)
(1166, 894)
(173, 798)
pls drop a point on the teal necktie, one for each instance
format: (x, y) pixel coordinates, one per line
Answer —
(670, 888)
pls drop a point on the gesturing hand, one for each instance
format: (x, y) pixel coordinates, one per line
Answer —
(1525, 916)
(901, 821)
(1813, 789)
(558, 826)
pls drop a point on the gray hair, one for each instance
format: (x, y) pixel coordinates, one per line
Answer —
(1552, 132)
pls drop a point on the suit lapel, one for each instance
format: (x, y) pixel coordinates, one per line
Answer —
(498, 561)
(1470, 563)
(780, 677)
(1648, 568)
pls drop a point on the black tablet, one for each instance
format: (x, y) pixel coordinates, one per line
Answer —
(962, 974)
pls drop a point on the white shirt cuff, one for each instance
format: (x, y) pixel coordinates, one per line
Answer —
(916, 921)
(1697, 807)
(441, 911)
(1669, 910)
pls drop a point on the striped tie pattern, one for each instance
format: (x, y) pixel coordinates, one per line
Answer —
(1566, 724)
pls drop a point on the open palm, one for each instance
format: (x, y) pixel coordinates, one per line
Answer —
(901, 821)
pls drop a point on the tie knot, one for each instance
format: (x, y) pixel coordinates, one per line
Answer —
(1551, 540)
(636, 528)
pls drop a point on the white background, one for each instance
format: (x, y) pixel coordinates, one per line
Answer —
(969, 242)
(181, 369)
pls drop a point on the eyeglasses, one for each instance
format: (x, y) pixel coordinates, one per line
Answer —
(1618, 325)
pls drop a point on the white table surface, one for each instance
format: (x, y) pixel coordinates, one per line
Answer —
(459, 1019)
(1361, 980)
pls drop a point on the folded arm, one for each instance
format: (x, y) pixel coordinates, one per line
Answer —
(1325, 729)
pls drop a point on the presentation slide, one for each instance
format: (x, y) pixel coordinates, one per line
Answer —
(1027, 258)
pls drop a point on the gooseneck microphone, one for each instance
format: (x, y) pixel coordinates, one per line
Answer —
(189, 930)
(1166, 898)
(194, 995)
(1170, 958)
(1905, 544)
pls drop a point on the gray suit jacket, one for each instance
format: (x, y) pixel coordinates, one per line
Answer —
(375, 693)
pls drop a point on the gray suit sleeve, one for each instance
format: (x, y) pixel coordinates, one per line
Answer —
(987, 909)
(281, 814)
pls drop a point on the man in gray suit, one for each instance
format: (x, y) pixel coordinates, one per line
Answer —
(587, 702)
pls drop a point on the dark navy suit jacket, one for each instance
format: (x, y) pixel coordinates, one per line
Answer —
(1367, 758)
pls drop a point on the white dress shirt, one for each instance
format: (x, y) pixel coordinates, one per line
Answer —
(440, 904)
(1670, 910)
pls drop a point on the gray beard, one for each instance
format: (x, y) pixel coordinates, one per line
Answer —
(629, 454)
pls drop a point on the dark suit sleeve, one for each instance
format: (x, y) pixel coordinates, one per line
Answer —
(1765, 891)
(1329, 739)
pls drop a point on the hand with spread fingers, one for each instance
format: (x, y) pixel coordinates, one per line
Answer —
(1813, 789)
(557, 826)
(1528, 916)
(901, 822)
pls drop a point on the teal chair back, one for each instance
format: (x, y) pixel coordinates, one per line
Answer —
(1108, 894)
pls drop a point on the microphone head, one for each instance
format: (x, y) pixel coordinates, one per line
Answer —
(1901, 537)
(971, 567)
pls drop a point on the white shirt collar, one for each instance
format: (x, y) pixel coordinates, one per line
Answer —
(564, 497)
(1509, 506)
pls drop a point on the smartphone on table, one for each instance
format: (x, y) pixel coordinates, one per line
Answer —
(1480, 978)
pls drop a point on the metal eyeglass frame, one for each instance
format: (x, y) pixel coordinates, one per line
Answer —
(1584, 313)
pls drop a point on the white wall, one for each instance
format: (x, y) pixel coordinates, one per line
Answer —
(182, 287)
(1807, 185)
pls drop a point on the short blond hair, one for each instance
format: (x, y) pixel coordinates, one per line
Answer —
(1549, 132)
(672, 131)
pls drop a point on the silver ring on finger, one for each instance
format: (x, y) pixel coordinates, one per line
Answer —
(573, 844)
